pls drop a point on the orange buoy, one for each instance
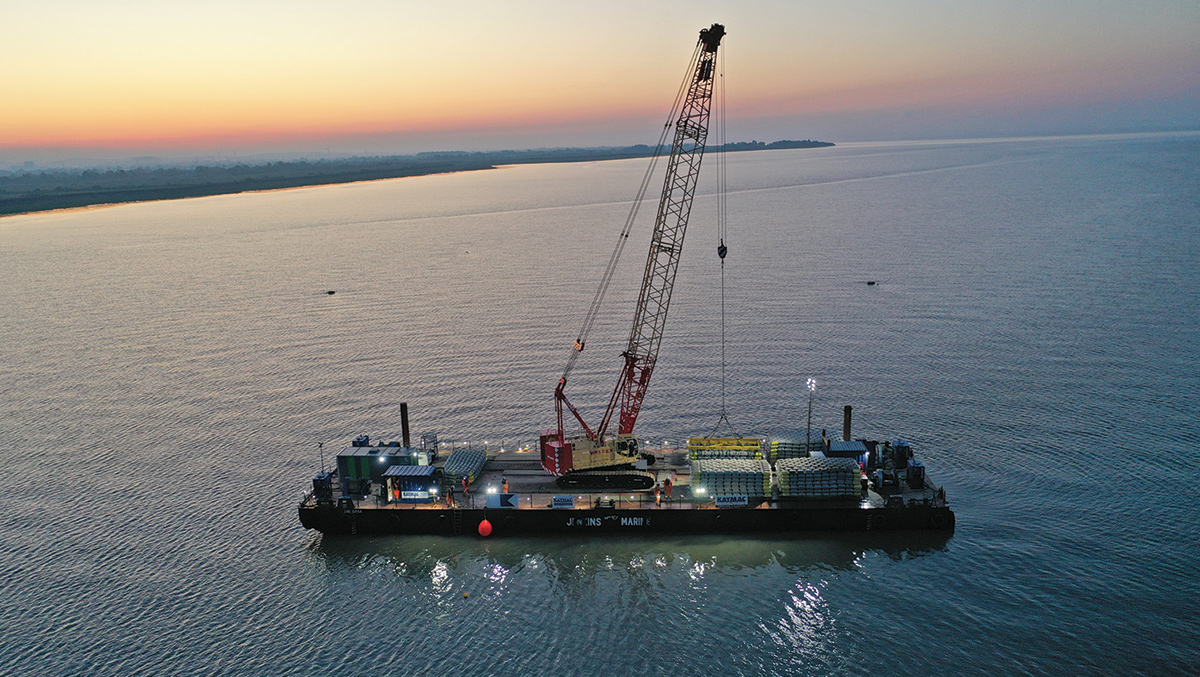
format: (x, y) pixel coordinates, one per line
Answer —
(485, 528)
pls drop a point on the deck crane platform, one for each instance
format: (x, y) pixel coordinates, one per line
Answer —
(596, 458)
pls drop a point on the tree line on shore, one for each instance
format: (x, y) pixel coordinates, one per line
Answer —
(37, 190)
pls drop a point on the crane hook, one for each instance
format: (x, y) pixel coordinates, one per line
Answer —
(722, 250)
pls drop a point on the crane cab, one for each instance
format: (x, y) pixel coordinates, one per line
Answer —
(574, 454)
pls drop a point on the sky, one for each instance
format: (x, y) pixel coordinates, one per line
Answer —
(244, 78)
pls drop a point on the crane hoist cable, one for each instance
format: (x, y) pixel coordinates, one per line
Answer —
(722, 222)
(623, 238)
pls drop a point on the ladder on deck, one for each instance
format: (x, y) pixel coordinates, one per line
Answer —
(458, 521)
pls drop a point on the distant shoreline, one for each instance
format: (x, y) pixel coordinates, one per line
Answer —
(39, 191)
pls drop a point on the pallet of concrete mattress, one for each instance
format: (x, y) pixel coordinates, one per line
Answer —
(793, 447)
(731, 477)
(818, 477)
(464, 463)
(724, 447)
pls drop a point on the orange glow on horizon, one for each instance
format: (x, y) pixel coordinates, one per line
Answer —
(125, 74)
(182, 115)
(191, 129)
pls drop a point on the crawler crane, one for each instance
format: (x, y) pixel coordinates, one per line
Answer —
(597, 458)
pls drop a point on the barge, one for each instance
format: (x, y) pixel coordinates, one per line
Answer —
(400, 490)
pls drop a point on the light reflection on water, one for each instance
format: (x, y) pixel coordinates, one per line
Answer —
(771, 588)
(806, 624)
(432, 558)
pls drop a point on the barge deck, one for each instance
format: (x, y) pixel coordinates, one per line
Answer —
(534, 504)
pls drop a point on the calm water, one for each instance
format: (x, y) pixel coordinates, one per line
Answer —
(169, 369)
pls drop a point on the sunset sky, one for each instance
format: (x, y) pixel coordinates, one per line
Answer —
(113, 78)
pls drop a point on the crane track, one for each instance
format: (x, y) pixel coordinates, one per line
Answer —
(606, 479)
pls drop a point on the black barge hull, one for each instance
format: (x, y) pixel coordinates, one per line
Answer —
(333, 519)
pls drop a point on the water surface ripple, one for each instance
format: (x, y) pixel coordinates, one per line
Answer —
(169, 369)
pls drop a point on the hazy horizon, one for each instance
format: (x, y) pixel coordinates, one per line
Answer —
(60, 159)
(106, 82)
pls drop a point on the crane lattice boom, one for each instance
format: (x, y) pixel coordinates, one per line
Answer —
(670, 225)
(561, 456)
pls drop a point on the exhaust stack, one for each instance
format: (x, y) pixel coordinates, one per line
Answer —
(846, 424)
(404, 423)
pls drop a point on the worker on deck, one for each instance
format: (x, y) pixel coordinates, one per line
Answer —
(450, 496)
(504, 481)
(667, 487)
(466, 485)
(657, 494)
